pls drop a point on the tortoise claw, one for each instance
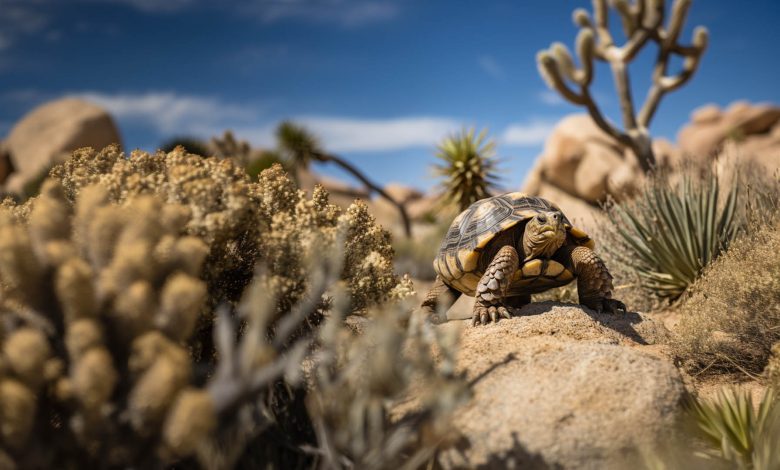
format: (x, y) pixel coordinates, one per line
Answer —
(607, 306)
(492, 313)
(614, 306)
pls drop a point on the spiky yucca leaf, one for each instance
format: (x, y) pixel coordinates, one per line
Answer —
(298, 144)
(742, 434)
(672, 231)
(469, 166)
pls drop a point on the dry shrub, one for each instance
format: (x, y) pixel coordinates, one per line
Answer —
(732, 316)
(242, 222)
(99, 302)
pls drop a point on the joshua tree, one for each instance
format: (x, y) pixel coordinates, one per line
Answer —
(469, 166)
(301, 148)
(643, 21)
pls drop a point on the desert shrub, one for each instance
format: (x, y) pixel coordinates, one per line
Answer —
(242, 222)
(737, 432)
(469, 167)
(672, 231)
(732, 316)
(99, 301)
(415, 256)
(191, 145)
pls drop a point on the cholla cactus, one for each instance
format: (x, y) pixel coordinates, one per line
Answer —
(643, 21)
(241, 222)
(469, 167)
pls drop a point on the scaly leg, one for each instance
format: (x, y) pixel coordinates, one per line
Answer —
(440, 296)
(492, 287)
(594, 283)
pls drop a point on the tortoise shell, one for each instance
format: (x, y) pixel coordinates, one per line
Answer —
(458, 260)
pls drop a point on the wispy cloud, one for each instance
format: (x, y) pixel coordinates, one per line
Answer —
(527, 134)
(168, 112)
(492, 67)
(374, 135)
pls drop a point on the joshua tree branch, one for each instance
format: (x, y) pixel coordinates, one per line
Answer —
(370, 185)
(643, 21)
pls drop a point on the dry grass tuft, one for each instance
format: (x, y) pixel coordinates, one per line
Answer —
(731, 318)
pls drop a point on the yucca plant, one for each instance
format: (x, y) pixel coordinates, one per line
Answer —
(301, 148)
(740, 433)
(671, 232)
(469, 166)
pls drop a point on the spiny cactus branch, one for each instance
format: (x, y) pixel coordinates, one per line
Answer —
(642, 21)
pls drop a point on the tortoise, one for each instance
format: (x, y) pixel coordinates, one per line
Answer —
(504, 248)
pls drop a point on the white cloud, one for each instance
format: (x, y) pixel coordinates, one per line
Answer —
(492, 67)
(169, 112)
(527, 134)
(376, 135)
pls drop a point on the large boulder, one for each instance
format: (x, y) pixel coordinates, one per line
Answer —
(563, 387)
(710, 128)
(585, 162)
(50, 132)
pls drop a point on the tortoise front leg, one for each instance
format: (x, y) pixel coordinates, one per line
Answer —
(441, 296)
(493, 285)
(594, 282)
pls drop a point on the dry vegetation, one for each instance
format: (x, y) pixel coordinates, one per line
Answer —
(128, 337)
(731, 318)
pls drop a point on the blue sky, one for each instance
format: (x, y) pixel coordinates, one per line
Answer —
(380, 81)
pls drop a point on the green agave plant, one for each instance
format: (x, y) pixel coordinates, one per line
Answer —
(671, 232)
(469, 166)
(746, 436)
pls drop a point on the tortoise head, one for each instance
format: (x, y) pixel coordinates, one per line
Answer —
(543, 235)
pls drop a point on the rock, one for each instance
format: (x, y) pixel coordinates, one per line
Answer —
(562, 387)
(578, 158)
(708, 130)
(590, 179)
(402, 193)
(624, 181)
(48, 133)
(706, 114)
(578, 211)
(667, 155)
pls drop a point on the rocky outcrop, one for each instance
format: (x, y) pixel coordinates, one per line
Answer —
(563, 387)
(582, 160)
(48, 133)
(753, 127)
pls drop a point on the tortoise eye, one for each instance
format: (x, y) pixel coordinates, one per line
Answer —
(542, 218)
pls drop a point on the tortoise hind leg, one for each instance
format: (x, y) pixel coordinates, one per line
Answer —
(491, 290)
(594, 283)
(440, 296)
